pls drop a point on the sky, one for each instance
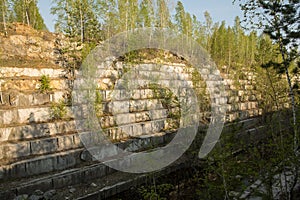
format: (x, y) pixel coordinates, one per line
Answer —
(219, 10)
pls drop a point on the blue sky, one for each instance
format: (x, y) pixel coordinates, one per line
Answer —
(219, 10)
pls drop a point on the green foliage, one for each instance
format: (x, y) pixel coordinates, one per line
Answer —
(146, 14)
(98, 104)
(279, 19)
(237, 162)
(27, 12)
(45, 84)
(163, 14)
(87, 48)
(158, 192)
(23, 11)
(58, 110)
(77, 19)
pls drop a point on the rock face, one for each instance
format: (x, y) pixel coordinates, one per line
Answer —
(37, 131)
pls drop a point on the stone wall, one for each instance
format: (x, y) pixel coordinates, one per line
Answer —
(37, 131)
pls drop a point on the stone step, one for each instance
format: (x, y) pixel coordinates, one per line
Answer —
(96, 181)
(66, 152)
(81, 176)
(16, 72)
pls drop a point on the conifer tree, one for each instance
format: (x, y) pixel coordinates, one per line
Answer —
(163, 14)
(77, 19)
(209, 29)
(4, 18)
(280, 20)
(27, 12)
(107, 14)
(146, 14)
(180, 17)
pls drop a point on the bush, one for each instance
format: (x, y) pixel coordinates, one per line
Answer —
(58, 110)
(45, 84)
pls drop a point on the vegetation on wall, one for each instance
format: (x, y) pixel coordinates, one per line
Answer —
(58, 110)
(234, 164)
(45, 84)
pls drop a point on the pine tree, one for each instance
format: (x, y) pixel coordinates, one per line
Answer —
(230, 47)
(180, 17)
(107, 14)
(77, 19)
(218, 44)
(133, 14)
(146, 14)
(163, 15)
(265, 50)
(27, 12)
(240, 45)
(208, 29)
(280, 20)
(123, 15)
(6, 13)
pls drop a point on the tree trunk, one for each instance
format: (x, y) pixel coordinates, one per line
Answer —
(4, 17)
(291, 95)
(81, 25)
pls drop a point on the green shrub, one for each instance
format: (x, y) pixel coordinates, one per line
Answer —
(58, 110)
(45, 84)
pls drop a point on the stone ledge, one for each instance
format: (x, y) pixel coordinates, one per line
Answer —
(42, 164)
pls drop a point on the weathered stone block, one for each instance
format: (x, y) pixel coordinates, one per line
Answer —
(107, 121)
(60, 84)
(243, 106)
(57, 96)
(153, 104)
(137, 105)
(64, 161)
(41, 165)
(25, 100)
(142, 116)
(16, 150)
(4, 134)
(135, 94)
(158, 114)
(127, 129)
(137, 129)
(33, 115)
(118, 107)
(147, 128)
(29, 131)
(5, 98)
(40, 99)
(158, 126)
(122, 119)
(13, 98)
(44, 146)
(65, 142)
(77, 140)
(8, 117)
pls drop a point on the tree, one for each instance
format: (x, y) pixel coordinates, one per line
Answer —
(5, 12)
(146, 14)
(163, 14)
(27, 12)
(180, 17)
(279, 19)
(128, 12)
(77, 19)
(239, 44)
(208, 29)
(218, 44)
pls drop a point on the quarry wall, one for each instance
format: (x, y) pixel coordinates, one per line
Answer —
(38, 133)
